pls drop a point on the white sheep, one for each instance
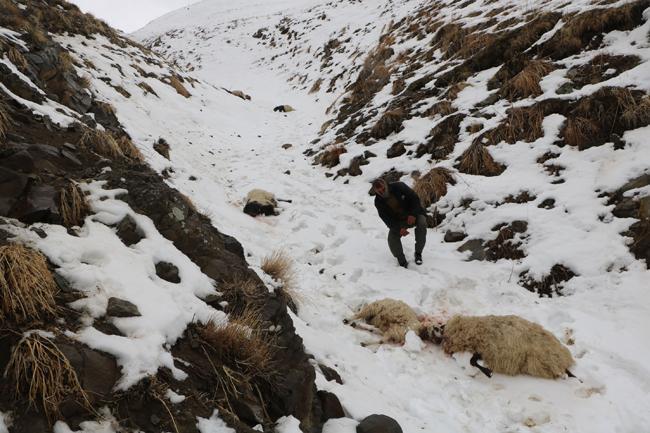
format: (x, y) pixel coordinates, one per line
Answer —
(259, 202)
(391, 317)
(507, 344)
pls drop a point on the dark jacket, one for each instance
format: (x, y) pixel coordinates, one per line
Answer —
(406, 198)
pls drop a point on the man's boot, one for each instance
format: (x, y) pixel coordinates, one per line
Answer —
(418, 258)
(402, 262)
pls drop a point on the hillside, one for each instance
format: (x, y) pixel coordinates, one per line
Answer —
(125, 166)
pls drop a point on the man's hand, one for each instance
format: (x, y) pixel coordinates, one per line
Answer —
(410, 220)
(403, 232)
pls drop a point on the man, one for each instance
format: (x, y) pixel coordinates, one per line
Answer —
(400, 208)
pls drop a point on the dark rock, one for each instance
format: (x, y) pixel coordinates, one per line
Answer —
(162, 147)
(39, 204)
(368, 154)
(627, 208)
(397, 149)
(330, 405)
(475, 246)
(519, 226)
(640, 233)
(120, 308)
(106, 327)
(379, 424)
(329, 373)
(639, 182)
(551, 284)
(287, 146)
(355, 165)
(129, 232)
(644, 208)
(39, 231)
(62, 283)
(97, 371)
(168, 272)
(435, 219)
(565, 88)
(549, 203)
(452, 236)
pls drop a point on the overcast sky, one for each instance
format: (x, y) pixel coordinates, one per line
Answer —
(130, 15)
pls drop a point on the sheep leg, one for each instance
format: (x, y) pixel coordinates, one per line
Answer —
(568, 372)
(474, 363)
(372, 343)
(362, 326)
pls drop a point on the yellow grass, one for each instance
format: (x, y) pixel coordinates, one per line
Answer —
(27, 287)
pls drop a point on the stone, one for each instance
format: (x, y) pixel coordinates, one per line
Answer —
(168, 272)
(396, 150)
(519, 226)
(120, 308)
(329, 373)
(475, 246)
(162, 147)
(40, 204)
(128, 231)
(379, 424)
(565, 88)
(97, 371)
(452, 236)
(62, 283)
(626, 208)
(287, 146)
(368, 154)
(549, 203)
(330, 405)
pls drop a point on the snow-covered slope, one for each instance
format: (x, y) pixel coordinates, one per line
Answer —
(276, 51)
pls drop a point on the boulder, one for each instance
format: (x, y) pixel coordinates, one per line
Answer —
(379, 424)
(128, 231)
(162, 147)
(476, 247)
(452, 236)
(330, 374)
(330, 405)
(120, 308)
(168, 272)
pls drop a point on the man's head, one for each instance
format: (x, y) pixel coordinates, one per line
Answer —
(380, 187)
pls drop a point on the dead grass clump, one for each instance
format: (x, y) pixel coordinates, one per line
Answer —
(475, 42)
(128, 149)
(177, 84)
(389, 122)
(331, 157)
(102, 143)
(579, 131)
(316, 86)
(442, 108)
(279, 266)
(523, 123)
(478, 161)
(241, 354)
(42, 374)
(73, 205)
(17, 58)
(147, 89)
(600, 68)
(65, 63)
(27, 287)
(526, 83)
(433, 185)
(449, 39)
(36, 36)
(241, 291)
(585, 30)
(5, 119)
(454, 90)
(610, 110)
(442, 138)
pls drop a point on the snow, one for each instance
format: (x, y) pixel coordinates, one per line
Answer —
(214, 424)
(338, 243)
(5, 422)
(287, 424)
(106, 424)
(174, 397)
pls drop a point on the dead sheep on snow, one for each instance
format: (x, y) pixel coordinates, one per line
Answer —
(284, 108)
(260, 202)
(393, 318)
(507, 344)
(240, 94)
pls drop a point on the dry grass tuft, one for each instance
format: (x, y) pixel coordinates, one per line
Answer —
(5, 119)
(389, 122)
(36, 35)
(128, 149)
(526, 82)
(177, 84)
(478, 161)
(42, 374)
(316, 86)
(433, 185)
(331, 157)
(102, 143)
(242, 290)
(279, 266)
(17, 58)
(579, 131)
(27, 288)
(73, 205)
(241, 354)
(635, 113)
(442, 108)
